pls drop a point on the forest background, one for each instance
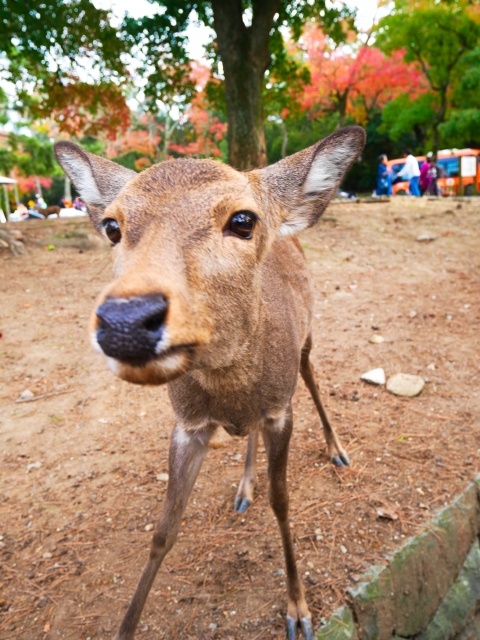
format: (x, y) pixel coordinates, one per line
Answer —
(275, 77)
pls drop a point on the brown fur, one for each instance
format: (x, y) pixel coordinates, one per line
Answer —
(239, 316)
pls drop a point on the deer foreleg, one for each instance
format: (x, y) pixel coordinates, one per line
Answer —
(336, 452)
(247, 484)
(187, 451)
(276, 434)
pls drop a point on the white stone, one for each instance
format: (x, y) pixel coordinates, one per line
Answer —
(376, 339)
(404, 384)
(375, 376)
(149, 527)
(33, 465)
(426, 237)
(162, 477)
(27, 395)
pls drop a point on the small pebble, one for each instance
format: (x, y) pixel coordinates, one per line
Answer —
(162, 477)
(27, 395)
(149, 527)
(426, 237)
(375, 376)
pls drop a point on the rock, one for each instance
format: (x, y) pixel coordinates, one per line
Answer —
(412, 314)
(372, 602)
(162, 477)
(431, 367)
(27, 395)
(375, 376)
(376, 339)
(426, 237)
(460, 603)
(404, 384)
(47, 555)
(341, 626)
(149, 527)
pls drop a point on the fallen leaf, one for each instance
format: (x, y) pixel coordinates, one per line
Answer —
(46, 628)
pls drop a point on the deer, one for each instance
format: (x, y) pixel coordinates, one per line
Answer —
(211, 295)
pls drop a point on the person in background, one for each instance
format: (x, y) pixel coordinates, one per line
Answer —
(384, 178)
(78, 204)
(411, 172)
(425, 179)
(40, 202)
(433, 175)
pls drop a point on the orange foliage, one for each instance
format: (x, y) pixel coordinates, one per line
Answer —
(79, 108)
(355, 83)
(208, 130)
(29, 183)
(142, 140)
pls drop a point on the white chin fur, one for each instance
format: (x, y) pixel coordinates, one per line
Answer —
(95, 345)
(162, 345)
(113, 365)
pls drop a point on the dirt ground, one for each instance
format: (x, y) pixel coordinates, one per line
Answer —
(81, 465)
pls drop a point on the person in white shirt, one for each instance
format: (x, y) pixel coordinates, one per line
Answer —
(411, 172)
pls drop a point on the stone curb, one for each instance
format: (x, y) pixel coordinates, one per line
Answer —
(417, 593)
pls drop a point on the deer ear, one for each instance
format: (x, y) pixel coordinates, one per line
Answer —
(303, 184)
(97, 180)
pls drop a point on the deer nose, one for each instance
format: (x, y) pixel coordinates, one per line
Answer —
(130, 329)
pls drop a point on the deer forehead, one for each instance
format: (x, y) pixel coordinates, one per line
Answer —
(182, 196)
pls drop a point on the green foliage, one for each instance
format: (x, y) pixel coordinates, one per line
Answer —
(443, 37)
(46, 43)
(437, 35)
(31, 155)
(163, 41)
(405, 115)
(462, 129)
(302, 132)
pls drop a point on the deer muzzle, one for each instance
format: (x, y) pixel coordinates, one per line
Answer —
(132, 330)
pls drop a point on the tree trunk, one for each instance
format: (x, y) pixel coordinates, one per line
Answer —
(342, 108)
(439, 118)
(244, 52)
(39, 187)
(67, 193)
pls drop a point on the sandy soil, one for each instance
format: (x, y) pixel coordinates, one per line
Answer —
(79, 466)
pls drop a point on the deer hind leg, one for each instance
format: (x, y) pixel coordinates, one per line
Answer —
(336, 452)
(187, 451)
(244, 497)
(276, 434)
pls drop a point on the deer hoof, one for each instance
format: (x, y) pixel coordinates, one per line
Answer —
(291, 628)
(241, 504)
(307, 628)
(337, 461)
(305, 624)
(345, 459)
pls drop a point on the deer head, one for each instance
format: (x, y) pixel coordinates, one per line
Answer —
(188, 239)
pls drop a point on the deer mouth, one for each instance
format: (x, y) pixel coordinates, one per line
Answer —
(169, 364)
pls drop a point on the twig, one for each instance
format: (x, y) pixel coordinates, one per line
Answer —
(44, 395)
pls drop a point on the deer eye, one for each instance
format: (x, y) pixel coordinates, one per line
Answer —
(241, 224)
(112, 230)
